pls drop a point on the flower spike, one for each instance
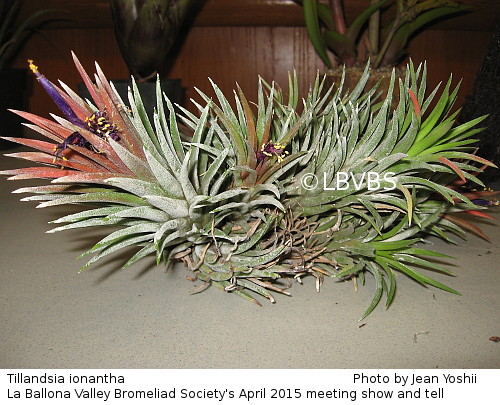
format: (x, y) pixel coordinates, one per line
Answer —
(56, 96)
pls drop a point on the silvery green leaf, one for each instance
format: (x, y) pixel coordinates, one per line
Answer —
(386, 163)
(86, 223)
(263, 113)
(184, 178)
(97, 212)
(194, 151)
(206, 158)
(258, 189)
(230, 206)
(97, 197)
(44, 197)
(132, 241)
(160, 110)
(379, 288)
(174, 136)
(220, 276)
(196, 204)
(254, 261)
(162, 244)
(174, 208)
(357, 91)
(145, 251)
(257, 236)
(222, 136)
(146, 213)
(134, 186)
(165, 227)
(188, 117)
(226, 106)
(372, 136)
(273, 174)
(387, 144)
(168, 181)
(141, 119)
(199, 201)
(219, 182)
(267, 200)
(227, 195)
(133, 230)
(166, 156)
(351, 269)
(258, 273)
(407, 138)
(133, 162)
(138, 124)
(256, 288)
(209, 149)
(446, 192)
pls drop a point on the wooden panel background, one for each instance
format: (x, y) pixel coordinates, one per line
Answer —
(239, 53)
(96, 13)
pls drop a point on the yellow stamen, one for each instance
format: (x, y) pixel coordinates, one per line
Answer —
(281, 158)
(61, 157)
(32, 66)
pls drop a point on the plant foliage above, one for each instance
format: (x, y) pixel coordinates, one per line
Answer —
(236, 199)
(385, 45)
(12, 32)
(146, 31)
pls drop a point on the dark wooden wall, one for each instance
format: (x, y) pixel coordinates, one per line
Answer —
(238, 40)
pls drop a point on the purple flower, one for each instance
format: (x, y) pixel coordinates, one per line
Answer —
(98, 124)
(74, 139)
(54, 94)
(271, 149)
(480, 201)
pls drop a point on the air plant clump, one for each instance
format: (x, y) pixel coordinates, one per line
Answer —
(224, 192)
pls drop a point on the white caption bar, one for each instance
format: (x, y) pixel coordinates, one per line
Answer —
(247, 386)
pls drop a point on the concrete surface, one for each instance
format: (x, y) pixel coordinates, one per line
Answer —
(142, 317)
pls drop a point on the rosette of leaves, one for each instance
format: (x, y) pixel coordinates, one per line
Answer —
(386, 45)
(226, 196)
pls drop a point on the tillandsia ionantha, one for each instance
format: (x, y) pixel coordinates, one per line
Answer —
(253, 198)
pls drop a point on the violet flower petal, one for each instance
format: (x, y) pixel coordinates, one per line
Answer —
(54, 94)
